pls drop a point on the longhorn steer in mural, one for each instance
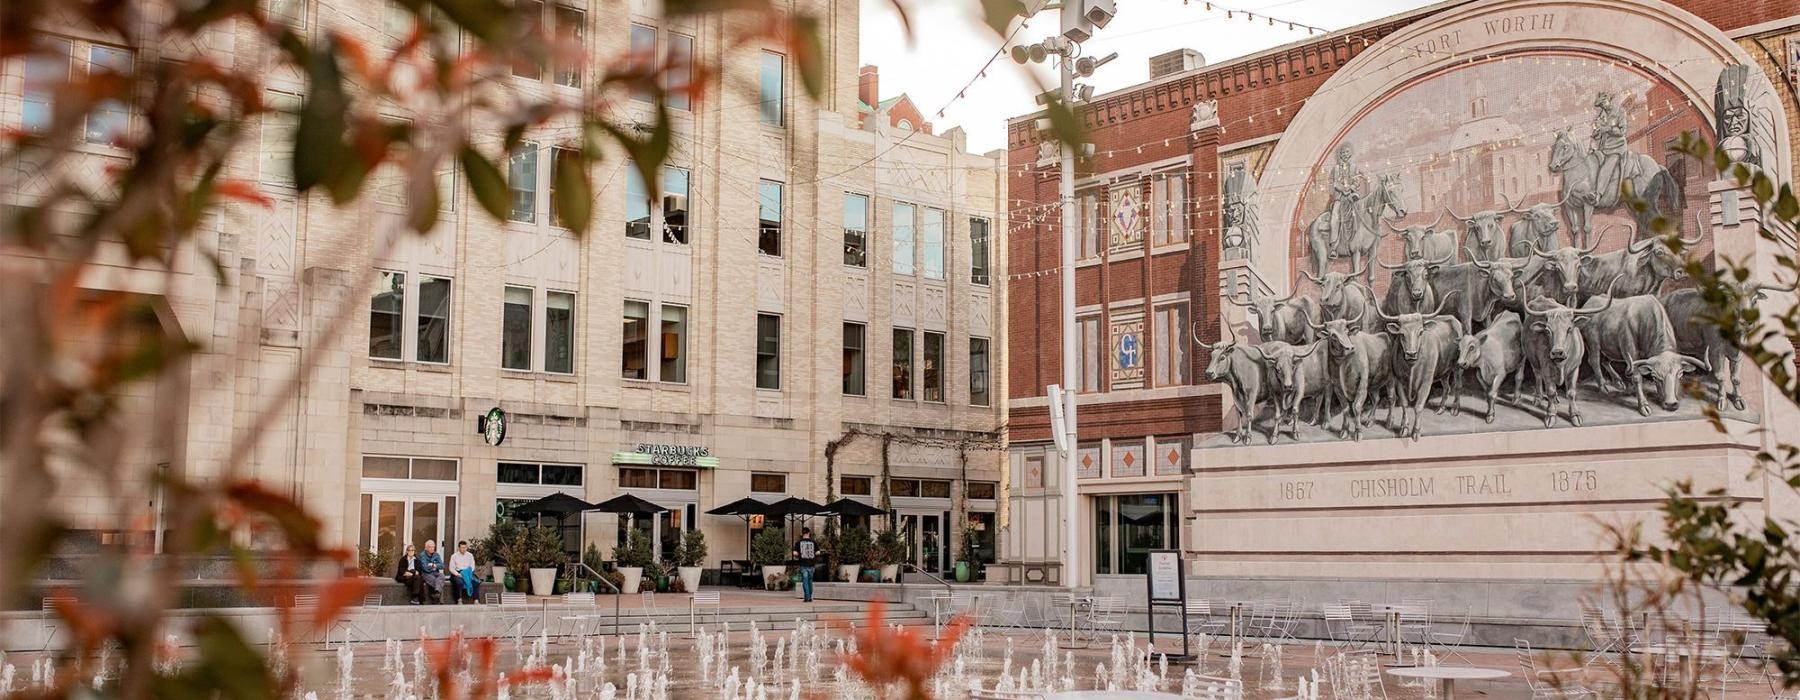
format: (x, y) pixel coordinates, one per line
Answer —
(1537, 226)
(1424, 240)
(1365, 218)
(1494, 354)
(1280, 318)
(1482, 231)
(1410, 285)
(1589, 185)
(1239, 366)
(1643, 266)
(1296, 374)
(1696, 335)
(1554, 350)
(1341, 296)
(1634, 331)
(1362, 368)
(1425, 355)
(1563, 266)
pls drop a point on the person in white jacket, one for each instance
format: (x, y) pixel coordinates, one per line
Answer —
(463, 584)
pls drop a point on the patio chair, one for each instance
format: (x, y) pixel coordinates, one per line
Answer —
(1357, 674)
(305, 606)
(1450, 641)
(979, 693)
(1214, 688)
(647, 599)
(516, 621)
(1200, 619)
(1058, 603)
(1550, 683)
(1010, 613)
(1341, 626)
(699, 601)
(577, 619)
(961, 603)
(1415, 620)
(51, 622)
(1274, 622)
(1603, 635)
(1108, 614)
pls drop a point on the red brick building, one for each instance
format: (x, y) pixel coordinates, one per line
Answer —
(1153, 264)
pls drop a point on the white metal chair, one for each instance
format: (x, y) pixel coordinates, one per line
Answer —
(1107, 615)
(516, 621)
(1342, 627)
(961, 603)
(1200, 620)
(979, 693)
(1415, 620)
(702, 599)
(1550, 683)
(579, 619)
(647, 599)
(1449, 641)
(1357, 674)
(1213, 688)
(1010, 613)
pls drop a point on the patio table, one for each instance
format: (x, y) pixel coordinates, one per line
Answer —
(1447, 676)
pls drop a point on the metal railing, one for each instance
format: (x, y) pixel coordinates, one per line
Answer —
(575, 569)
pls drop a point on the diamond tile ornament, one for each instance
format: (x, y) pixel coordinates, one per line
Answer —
(1175, 456)
(1129, 459)
(1087, 460)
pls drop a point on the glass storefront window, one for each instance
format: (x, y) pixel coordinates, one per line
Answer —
(1128, 527)
(1103, 550)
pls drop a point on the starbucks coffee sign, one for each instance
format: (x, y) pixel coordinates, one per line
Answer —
(657, 454)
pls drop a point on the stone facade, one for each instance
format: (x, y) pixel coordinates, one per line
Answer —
(1446, 102)
(386, 448)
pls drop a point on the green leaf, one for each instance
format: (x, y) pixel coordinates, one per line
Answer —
(423, 202)
(319, 139)
(573, 196)
(647, 146)
(227, 663)
(1762, 187)
(1786, 206)
(999, 14)
(809, 53)
(485, 182)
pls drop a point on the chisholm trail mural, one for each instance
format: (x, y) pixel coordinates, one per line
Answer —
(1518, 286)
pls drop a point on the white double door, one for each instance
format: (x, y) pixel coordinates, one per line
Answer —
(405, 519)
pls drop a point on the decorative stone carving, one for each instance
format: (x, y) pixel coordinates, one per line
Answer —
(1046, 154)
(1733, 118)
(1204, 116)
(1239, 213)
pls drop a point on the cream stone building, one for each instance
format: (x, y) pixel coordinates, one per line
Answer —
(811, 274)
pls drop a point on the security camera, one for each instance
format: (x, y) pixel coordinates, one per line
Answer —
(1042, 124)
(1086, 65)
(1083, 93)
(1048, 97)
(1099, 12)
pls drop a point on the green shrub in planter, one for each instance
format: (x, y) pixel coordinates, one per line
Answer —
(635, 551)
(693, 549)
(853, 546)
(770, 548)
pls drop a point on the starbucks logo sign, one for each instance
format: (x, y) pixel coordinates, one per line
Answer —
(492, 426)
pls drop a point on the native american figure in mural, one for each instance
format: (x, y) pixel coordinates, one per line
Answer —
(1355, 234)
(1592, 178)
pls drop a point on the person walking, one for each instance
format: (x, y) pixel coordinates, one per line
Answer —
(407, 574)
(431, 572)
(806, 551)
(463, 585)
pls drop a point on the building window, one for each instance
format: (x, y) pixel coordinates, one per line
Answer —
(675, 205)
(768, 351)
(47, 69)
(637, 204)
(560, 157)
(1090, 353)
(276, 158)
(108, 120)
(419, 468)
(1171, 345)
(540, 474)
(983, 490)
(768, 239)
(979, 270)
(856, 230)
(521, 178)
(674, 344)
(1090, 225)
(434, 320)
(515, 329)
(854, 485)
(903, 238)
(631, 478)
(1127, 528)
(565, 24)
(978, 372)
(636, 361)
(679, 73)
(646, 478)
(1168, 207)
(768, 483)
(933, 234)
(387, 316)
(854, 342)
(289, 12)
(559, 332)
(904, 488)
(773, 70)
(931, 368)
(643, 56)
(903, 369)
(934, 488)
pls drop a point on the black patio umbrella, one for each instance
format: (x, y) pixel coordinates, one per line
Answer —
(746, 508)
(557, 504)
(795, 506)
(846, 506)
(627, 503)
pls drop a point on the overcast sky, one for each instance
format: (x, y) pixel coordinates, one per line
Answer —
(950, 44)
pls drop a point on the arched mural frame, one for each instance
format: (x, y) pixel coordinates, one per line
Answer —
(1658, 37)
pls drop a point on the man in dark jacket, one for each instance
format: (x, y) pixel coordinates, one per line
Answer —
(806, 551)
(407, 573)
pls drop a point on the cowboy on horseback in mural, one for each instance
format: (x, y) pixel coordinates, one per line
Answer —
(1608, 143)
(1346, 188)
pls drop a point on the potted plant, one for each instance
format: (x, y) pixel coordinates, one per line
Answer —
(852, 552)
(591, 559)
(690, 558)
(968, 565)
(770, 551)
(503, 543)
(545, 556)
(632, 556)
(889, 549)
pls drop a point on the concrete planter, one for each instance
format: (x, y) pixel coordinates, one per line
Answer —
(848, 572)
(890, 573)
(543, 581)
(499, 576)
(772, 572)
(690, 578)
(634, 576)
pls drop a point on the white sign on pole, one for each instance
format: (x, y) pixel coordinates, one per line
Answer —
(1165, 577)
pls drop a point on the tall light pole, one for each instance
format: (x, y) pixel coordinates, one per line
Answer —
(1080, 18)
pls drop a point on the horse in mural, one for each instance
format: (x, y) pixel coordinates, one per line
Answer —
(1365, 218)
(1582, 195)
